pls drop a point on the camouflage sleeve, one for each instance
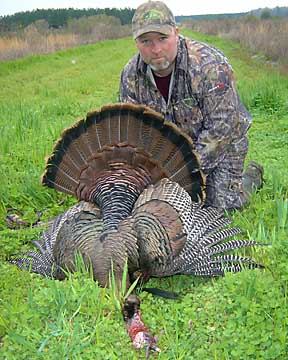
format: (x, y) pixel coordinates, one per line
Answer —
(221, 116)
(127, 88)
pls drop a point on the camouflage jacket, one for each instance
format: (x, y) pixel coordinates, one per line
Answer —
(202, 100)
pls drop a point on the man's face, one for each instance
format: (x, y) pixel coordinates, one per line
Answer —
(158, 50)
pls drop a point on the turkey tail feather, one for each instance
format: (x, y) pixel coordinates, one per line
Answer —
(122, 136)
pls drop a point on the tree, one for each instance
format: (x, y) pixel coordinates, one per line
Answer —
(265, 14)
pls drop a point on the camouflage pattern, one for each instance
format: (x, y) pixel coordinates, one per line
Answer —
(152, 16)
(203, 101)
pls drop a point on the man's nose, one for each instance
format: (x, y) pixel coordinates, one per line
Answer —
(156, 48)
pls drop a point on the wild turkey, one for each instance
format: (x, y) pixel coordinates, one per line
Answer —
(108, 159)
(141, 195)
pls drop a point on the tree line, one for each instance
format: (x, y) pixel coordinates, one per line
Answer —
(263, 13)
(58, 18)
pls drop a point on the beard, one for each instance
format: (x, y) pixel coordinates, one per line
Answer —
(161, 66)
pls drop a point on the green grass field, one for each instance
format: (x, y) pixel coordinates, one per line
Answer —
(240, 316)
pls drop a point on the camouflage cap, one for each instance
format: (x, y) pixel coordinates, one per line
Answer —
(152, 16)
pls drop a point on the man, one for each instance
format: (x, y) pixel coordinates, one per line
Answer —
(192, 85)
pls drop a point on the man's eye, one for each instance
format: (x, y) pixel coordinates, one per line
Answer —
(163, 38)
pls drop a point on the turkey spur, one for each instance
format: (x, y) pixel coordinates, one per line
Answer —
(141, 193)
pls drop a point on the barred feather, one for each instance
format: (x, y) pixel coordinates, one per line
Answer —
(198, 247)
(72, 232)
(34, 262)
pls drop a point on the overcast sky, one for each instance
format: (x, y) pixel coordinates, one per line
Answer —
(179, 7)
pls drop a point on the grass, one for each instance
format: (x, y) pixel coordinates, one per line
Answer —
(264, 37)
(241, 316)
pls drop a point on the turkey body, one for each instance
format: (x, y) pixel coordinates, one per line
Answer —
(141, 193)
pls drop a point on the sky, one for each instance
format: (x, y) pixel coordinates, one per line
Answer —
(178, 7)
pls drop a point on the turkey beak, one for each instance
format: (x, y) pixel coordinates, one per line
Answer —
(130, 307)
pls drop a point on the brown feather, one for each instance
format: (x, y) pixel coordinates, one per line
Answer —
(126, 134)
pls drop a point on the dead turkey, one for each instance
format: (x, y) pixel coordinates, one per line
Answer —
(141, 195)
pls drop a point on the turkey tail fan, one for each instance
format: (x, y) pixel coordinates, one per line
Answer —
(123, 138)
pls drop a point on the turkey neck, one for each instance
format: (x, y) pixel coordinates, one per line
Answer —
(116, 191)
